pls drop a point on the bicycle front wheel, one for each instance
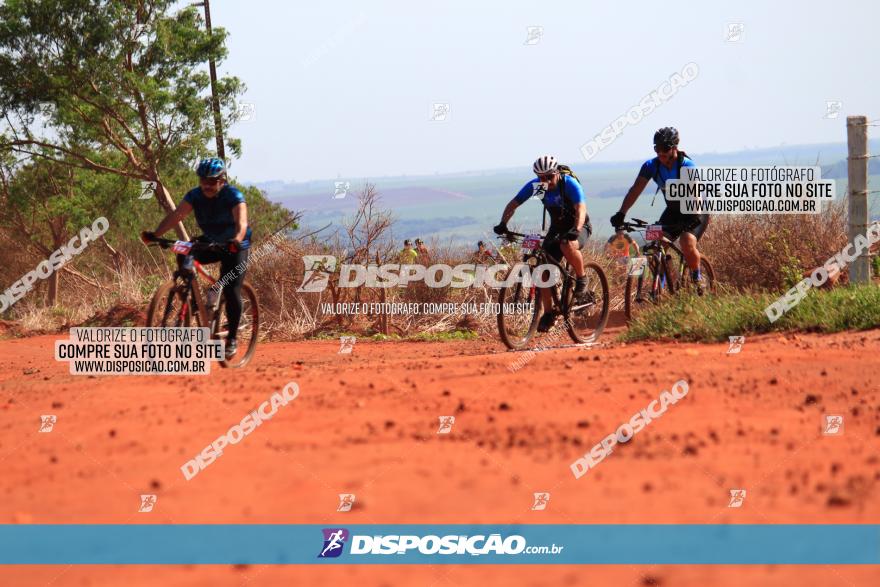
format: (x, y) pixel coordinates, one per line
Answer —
(647, 288)
(170, 307)
(588, 315)
(518, 308)
(248, 327)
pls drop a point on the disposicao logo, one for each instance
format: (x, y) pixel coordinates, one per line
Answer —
(394, 544)
(334, 540)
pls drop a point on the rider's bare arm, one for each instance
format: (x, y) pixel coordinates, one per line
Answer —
(581, 215)
(509, 210)
(634, 192)
(239, 213)
(182, 211)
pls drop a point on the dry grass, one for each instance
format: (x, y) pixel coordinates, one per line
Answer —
(770, 253)
(749, 253)
(288, 313)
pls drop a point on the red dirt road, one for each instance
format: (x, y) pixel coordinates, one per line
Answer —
(366, 423)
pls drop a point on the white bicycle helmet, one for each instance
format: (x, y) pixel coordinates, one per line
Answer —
(545, 164)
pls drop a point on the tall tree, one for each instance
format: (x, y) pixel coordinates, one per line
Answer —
(125, 76)
(44, 203)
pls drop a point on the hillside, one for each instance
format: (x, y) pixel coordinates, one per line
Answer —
(464, 206)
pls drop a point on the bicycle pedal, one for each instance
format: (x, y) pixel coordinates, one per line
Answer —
(586, 298)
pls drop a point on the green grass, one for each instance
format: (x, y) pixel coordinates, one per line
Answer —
(333, 335)
(715, 317)
(444, 336)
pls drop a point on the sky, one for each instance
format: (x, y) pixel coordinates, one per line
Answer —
(347, 89)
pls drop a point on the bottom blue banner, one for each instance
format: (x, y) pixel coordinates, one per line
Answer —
(748, 544)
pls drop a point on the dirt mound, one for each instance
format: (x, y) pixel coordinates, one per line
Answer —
(118, 315)
(9, 329)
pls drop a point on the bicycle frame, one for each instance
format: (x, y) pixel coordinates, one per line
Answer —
(192, 283)
(542, 256)
(657, 253)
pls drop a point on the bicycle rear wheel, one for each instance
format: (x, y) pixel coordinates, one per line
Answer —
(519, 309)
(170, 307)
(248, 327)
(587, 319)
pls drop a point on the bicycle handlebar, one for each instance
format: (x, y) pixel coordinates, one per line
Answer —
(544, 240)
(195, 245)
(637, 224)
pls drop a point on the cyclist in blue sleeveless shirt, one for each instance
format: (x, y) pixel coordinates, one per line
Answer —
(687, 227)
(221, 214)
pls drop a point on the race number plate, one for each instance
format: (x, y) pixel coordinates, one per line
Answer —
(654, 232)
(531, 242)
(181, 247)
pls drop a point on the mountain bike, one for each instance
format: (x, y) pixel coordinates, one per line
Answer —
(180, 302)
(657, 277)
(520, 303)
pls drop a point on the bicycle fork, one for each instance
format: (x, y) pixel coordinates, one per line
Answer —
(191, 292)
(658, 280)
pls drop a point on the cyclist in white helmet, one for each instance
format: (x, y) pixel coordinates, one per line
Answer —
(564, 200)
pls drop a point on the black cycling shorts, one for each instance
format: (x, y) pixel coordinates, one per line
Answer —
(675, 223)
(555, 250)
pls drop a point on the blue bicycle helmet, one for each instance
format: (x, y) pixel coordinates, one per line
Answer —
(211, 167)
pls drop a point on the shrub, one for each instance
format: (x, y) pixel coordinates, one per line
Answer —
(771, 252)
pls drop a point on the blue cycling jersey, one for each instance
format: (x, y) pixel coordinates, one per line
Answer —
(560, 208)
(214, 215)
(653, 169)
